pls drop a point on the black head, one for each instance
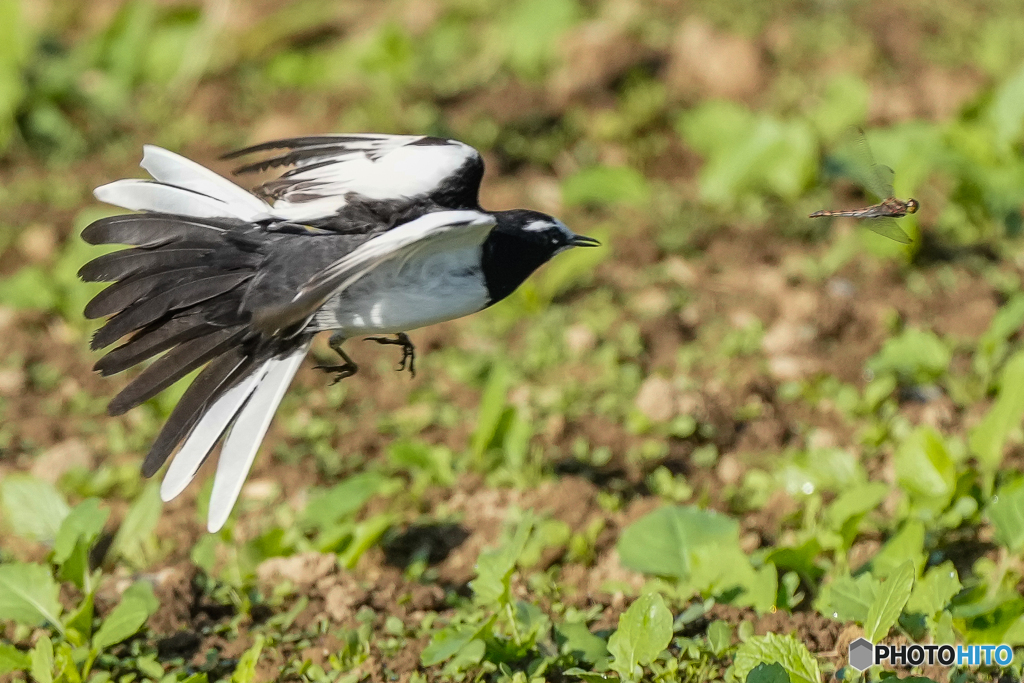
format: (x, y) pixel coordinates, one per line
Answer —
(521, 242)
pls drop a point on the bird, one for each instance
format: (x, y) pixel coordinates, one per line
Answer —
(361, 234)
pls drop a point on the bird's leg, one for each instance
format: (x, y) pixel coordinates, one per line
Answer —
(408, 350)
(344, 369)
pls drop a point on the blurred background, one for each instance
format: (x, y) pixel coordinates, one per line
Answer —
(723, 352)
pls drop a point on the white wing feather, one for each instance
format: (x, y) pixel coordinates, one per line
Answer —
(182, 187)
(174, 169)
(247, 433)
(205, 435)
(381, 167)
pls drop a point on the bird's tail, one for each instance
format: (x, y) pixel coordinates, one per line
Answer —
(179, 291)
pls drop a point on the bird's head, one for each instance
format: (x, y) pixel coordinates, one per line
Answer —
(540, 232)
(522, 241)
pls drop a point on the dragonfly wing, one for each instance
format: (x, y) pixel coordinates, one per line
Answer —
(859, 164)
(883, 178)
(888, 228)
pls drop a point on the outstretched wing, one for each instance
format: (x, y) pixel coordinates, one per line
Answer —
(441, 229)
(326, 168)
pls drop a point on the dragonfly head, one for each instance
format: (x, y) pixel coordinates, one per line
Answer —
(913, 205)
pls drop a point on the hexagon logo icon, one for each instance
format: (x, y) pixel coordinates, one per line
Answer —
(862, 654)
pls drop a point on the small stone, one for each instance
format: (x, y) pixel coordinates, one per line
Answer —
(656, 399)
(12, 380)
(304, 569)
(53, 463)
(339, 603)
(580, 339)
(729, 469)
(37, 243)
(680, 271)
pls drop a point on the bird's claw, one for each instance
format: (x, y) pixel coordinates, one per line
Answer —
(408, 351)
(340, 371)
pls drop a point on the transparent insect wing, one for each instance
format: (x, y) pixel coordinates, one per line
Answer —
(887, 227)
(873, 177)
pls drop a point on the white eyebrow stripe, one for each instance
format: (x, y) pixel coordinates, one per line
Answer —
(538, 226)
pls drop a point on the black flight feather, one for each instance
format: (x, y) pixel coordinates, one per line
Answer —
(213, 381)
(172, 366)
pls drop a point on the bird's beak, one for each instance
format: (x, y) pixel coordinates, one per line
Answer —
(583, 241)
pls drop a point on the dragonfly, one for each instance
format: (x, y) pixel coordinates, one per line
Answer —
(876, 179)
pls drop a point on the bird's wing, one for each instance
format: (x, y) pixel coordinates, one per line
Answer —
(438, 230)
(326, 168)
(183, 187)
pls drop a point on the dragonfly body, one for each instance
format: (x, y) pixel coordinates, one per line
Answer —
(877, 179)
(891, 208)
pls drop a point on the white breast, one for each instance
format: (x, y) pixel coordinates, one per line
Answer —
(398, 297)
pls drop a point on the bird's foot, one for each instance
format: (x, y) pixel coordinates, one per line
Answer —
(408, 350)
(340, 371)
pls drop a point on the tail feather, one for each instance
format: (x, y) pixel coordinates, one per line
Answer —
(121, 295)
(152, 340)
(146, 311)
(156, 229)
(119, 265)
(247, 433)
(203, 392)
(204, 435)
(172, 366)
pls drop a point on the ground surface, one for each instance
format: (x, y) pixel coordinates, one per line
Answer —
(827, 423)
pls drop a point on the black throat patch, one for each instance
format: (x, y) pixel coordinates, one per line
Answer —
(507, 260)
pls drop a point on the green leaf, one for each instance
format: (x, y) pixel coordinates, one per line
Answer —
(907, 544)
(42, 660)
(645, 629)
(800, 664)
(137, 604)
(590, 676)
(748, 153)
(988, 438)
(719, 636)
(848, 598)
(768, 673)
(492, 407)
(925, 469)
(605, 185)
(77, 533)
(1006, 111)
(33, 507)
(137, 527)
(80, 620)
(342, 500)
(13, 659)
(915, 355)
(245, 672)
(494, 568)
(1006, 512)
(82, 525)
(30, 288)
(856, 501)
(576, 640)
(889, 603)
(700, 547)
(666, 542)
(934, 590)
(28, 595)
(449, 640)
(530, 30)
